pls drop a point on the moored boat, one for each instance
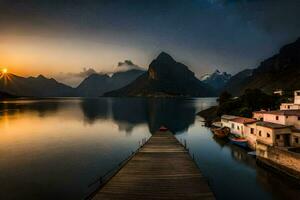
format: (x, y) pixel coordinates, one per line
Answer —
(238, 140)
(221, 132)
(163, 129)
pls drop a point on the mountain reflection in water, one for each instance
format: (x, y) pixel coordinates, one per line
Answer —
(175, 114)
(54, 148)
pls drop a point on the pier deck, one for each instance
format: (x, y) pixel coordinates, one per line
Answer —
(162, 169)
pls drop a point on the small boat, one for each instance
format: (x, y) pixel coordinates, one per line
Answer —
(163, 129)
(217, 124)
(238, 140)
(221, 132)
(252, 153)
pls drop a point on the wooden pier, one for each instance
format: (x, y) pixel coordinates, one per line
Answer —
(161, 169)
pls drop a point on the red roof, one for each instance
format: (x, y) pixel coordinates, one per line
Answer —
(243, 120)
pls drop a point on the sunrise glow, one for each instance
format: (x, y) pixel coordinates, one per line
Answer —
(4, 70)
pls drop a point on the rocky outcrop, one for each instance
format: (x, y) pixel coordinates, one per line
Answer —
(281, 71)
(165, 77)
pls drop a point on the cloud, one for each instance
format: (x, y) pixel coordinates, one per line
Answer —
(125, 66)
(74, 79)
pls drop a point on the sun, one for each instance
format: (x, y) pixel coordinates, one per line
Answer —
(4, 74)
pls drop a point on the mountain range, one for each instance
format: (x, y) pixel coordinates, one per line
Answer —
(98, 84)
(217, 79)
(94, 85)
(34, 86)
(165, 77)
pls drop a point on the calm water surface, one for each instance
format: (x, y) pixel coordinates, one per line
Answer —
(54, 148)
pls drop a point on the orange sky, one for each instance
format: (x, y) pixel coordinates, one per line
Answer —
(32, 55)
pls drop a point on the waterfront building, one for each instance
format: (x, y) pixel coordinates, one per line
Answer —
(294, 105)
(274, 134)
(239, 125)
(283, 117)
(289, 106)
(245, 127)
(236, 124)
(225, 120)
(250, 135)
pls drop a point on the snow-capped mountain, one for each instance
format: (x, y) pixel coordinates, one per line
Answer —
(217, 80)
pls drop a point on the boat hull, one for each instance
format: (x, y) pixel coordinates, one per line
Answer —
(238, 141)
(220, 132)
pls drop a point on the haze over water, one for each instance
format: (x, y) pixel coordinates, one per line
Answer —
(54, 148)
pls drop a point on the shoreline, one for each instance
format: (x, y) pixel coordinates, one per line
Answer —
(209, 115)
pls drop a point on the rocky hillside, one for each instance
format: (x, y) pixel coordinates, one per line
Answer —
(165, 77)
(281, 71)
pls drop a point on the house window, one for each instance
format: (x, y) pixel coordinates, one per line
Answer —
(277, 137)
(297, 93)
(238, 128)
(297, 140)
(232, 126)
(268, 135)
(259, 133)
(288, 107)
(299, 118)
(252, 130)
(286, 116)
(277, 118)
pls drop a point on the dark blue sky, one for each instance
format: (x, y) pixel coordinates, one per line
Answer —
(64, 36)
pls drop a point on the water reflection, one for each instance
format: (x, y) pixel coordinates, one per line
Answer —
(232, 173)
(95, 109)
(54, 148)
(176, 114)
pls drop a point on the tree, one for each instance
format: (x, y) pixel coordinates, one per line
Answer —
(224, 97)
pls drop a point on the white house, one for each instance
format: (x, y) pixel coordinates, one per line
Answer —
(297, 97)
(273, 134)
(292, 106)
(289, 106)
(225, 120)
(283, 117)
(239, 125)
(250, 134)
(278, 128)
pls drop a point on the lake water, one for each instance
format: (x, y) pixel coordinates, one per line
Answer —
(55, 148)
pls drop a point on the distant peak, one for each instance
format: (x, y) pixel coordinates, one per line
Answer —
(164, 57)
(41, 76)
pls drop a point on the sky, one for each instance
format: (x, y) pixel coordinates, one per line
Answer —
(69, 39)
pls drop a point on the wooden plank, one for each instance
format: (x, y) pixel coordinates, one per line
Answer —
(162, 169)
